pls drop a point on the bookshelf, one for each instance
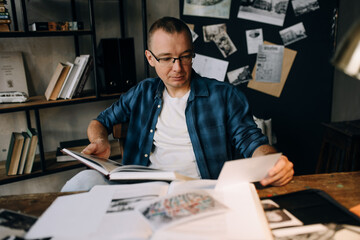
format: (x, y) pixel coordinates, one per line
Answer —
(45, 162)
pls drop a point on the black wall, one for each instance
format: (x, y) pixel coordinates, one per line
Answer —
(305, 101)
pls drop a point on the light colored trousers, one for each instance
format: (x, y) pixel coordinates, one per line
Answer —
(85, 180)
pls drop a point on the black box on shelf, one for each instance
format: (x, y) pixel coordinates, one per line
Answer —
(116, 64)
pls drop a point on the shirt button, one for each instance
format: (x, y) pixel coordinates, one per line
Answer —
(159, 106)
(146, 155)
(151, 130)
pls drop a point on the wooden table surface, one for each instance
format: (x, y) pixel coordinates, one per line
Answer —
(343, 187)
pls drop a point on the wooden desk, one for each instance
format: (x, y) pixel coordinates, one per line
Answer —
(343, 187)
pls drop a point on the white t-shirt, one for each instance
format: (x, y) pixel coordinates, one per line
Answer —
(173, 149)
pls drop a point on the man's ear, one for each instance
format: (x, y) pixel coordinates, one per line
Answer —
(150, 58)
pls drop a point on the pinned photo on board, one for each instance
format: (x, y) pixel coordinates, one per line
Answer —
(208, 8)
(266, 11)
(210, 31)
(304, 6)
(293, 34)
(240, 75)
(224, 44)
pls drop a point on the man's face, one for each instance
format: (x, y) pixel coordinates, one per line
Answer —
(175, 76)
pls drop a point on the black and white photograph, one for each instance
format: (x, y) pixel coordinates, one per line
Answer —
(224, 44)
(304, 6)
(269, 63)
(254, 38)
(293, 34)
(329, 231)
(127, 204)
(240, 75)
(269, 204)
(208, 8)
(210, 31)
(266, 11)
(277, 216)
(14, 224)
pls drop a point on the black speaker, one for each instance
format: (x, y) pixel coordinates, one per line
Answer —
(116, 64)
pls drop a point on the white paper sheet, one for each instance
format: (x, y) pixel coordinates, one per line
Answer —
(210, 67)
(71, 217)
(246, 170)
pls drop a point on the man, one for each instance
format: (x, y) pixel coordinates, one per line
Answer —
(180, 120)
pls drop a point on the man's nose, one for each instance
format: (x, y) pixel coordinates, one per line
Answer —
(177, 64)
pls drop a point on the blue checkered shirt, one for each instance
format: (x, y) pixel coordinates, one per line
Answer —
(218, 119)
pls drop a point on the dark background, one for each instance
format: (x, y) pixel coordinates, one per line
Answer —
(305, 101)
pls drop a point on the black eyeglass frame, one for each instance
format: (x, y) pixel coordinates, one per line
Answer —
(173, 59)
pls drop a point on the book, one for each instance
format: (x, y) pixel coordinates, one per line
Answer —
(24, 153)
(5, 21)
(114, 170)
(65, 84)
(39, 26)
(14, 153)
(32, 150)
(14, 224)
(79, 145)
(59, 83)
(4, 27)
(84, 78)
(54, 79)
(157, 210)
(80, 62)
(12, 72)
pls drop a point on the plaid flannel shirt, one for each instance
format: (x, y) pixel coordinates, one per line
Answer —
(217, 116)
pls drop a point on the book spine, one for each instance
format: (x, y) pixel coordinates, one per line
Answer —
(10, 151)
(39, 26)
(84, 78)
(5, 21)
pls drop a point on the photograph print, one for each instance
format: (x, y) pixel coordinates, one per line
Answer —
(304, 6)
(208, 8)
(240, 75)
(224, 44)
(266, 11)
(293, 33)
(210, 31)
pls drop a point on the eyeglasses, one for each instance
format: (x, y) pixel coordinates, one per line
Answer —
(169, 61)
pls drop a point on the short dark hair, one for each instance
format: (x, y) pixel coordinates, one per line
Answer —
(169, 25)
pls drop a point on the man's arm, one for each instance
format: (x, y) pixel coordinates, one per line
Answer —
(98, 137)
(281, 173)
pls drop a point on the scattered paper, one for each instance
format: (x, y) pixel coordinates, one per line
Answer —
(78, 214)
(246, 170)
(210, 67)
(224, 44)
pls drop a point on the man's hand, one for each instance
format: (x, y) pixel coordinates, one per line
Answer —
(98, 137)
(280, 174)
(100, 148)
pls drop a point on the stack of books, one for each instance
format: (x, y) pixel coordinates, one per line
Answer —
(4, 17)
(68, 79)
(21, 153)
